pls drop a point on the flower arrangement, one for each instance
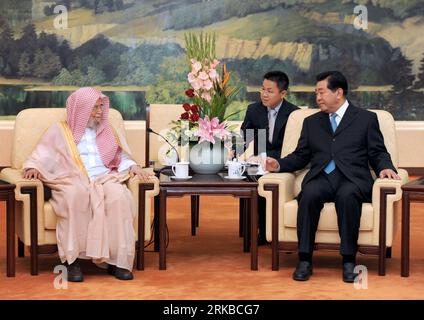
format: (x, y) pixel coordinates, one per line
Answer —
(204, 118)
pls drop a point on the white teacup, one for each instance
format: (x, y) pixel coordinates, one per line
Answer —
(180, 169)
(262, 164)
(235, 169)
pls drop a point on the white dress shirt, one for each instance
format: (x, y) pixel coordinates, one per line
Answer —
(277, 108)
(272, 117)
(91, 159)
(340, 112)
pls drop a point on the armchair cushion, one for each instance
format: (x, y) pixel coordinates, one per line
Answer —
(50, 218)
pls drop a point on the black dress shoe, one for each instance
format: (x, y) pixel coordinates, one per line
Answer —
(303, 271)
(348, 274)
(120, 273)
(74, 272)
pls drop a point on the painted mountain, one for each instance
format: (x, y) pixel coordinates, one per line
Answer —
(136, 46)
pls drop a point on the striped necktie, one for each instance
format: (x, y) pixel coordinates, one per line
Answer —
(272, 116)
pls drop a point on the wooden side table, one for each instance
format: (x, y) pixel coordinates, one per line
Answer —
(214, 184)
(411, 192)
(7, 193)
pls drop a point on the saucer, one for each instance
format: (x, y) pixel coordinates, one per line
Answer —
(235, 178)
(181, 179)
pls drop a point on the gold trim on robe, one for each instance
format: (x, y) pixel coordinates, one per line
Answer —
(116, 137)
(73, 147)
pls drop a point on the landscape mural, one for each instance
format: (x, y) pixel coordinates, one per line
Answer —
(134, 50)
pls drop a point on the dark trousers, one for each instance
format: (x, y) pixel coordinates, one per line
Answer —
(348, 200)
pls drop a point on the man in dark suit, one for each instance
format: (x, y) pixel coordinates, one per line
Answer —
(269, 116)
(339, 142)
(265, 123)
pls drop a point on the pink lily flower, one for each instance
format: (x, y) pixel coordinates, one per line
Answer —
(211, 129)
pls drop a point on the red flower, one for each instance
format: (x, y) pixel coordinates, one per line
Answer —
(185, 116)
(194, 109)
(186, 106)
(194, 117)
(190, 93)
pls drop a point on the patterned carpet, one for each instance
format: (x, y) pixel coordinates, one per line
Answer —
(212, 265)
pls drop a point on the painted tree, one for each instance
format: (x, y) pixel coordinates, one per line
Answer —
(7, 47)
(400, 71)
(403, 99)
(65, 53)
(46, 64)
(25, 66)
(64, 78)
(95, 76)
(49, 41)
(419, 84)
(28, 40)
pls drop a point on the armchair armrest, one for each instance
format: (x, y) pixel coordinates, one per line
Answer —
(285, 182)
(151, 189)
(143, 192)
(15, 176)
(133, 185)
(403, 174)
(389, 183)
(380, 188)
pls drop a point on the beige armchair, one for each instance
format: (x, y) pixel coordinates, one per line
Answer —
(378, 219)
(35, 218)
(158, 118)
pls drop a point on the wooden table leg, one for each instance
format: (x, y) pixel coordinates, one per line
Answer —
(156, 223)
(10, 234)
(404, 267)
(384, 192)
(254, 230)
(197, 211)
(141, 224)
(142, 188)
(275, 225)
(32, 191)
(241, 217)
(247, 225)
(194, 213)
(162, 230)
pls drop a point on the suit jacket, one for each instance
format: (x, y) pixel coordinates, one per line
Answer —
(356, 144)
(257, 118)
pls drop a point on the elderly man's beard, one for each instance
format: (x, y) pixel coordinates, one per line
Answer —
(92, 123)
